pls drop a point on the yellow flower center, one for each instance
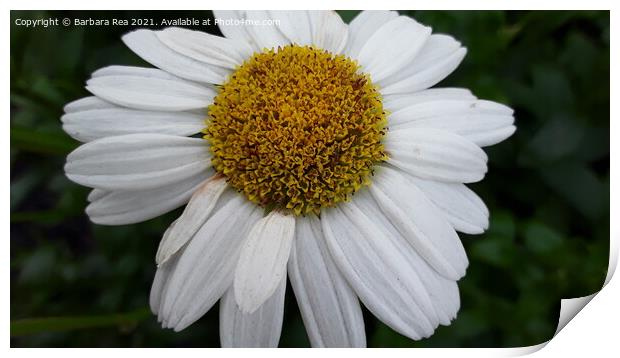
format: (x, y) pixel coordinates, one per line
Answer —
(297, 129)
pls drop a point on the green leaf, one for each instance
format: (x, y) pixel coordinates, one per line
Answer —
(579, 185)
(502, 224)
(43, 216)
(31, 140)
(552, 92)
(560, 137)
(384, 336)
(38, 267)
(29, 326)
(22, 186)
(541, 239)
(495, 250)
(469, 324)
(347, 15)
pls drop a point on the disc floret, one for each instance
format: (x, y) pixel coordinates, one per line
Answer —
(297, 129)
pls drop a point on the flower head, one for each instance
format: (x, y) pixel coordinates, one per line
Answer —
(324, 158)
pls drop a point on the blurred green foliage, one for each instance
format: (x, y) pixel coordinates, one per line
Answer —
(77, 284)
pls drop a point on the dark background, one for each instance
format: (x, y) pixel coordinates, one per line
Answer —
(77, 284)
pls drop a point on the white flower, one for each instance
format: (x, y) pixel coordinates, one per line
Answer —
(299, 175)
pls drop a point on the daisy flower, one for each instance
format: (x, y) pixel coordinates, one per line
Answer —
(304, 148)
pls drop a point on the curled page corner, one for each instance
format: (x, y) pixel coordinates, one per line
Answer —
(570, 307)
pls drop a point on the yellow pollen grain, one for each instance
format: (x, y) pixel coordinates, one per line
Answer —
(297, 129)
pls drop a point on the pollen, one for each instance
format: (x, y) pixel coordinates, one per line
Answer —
(297, 129)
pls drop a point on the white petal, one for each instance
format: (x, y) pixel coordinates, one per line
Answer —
(490, 137)
(130, 207)
(329, 307)
(417, 219)
(446, 297)
(294, 24)
(378, 271)
(392, 46)
(194, 216)
(151, 93)
(435, 49)
(137, 161)
(460, 206)
(206, 48)
(260, 329)
(329, 32)
(147, 72)
(160, 281)
(434, 154)
(265, 35)
(91, 124)
(262, 264)
(206, 268)
(440, 56)
(229, 23)
(96, 194)
(396, 102)
(363, 26)
(86, 104)
(482, 122)
(443, 292)
(146, 45)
